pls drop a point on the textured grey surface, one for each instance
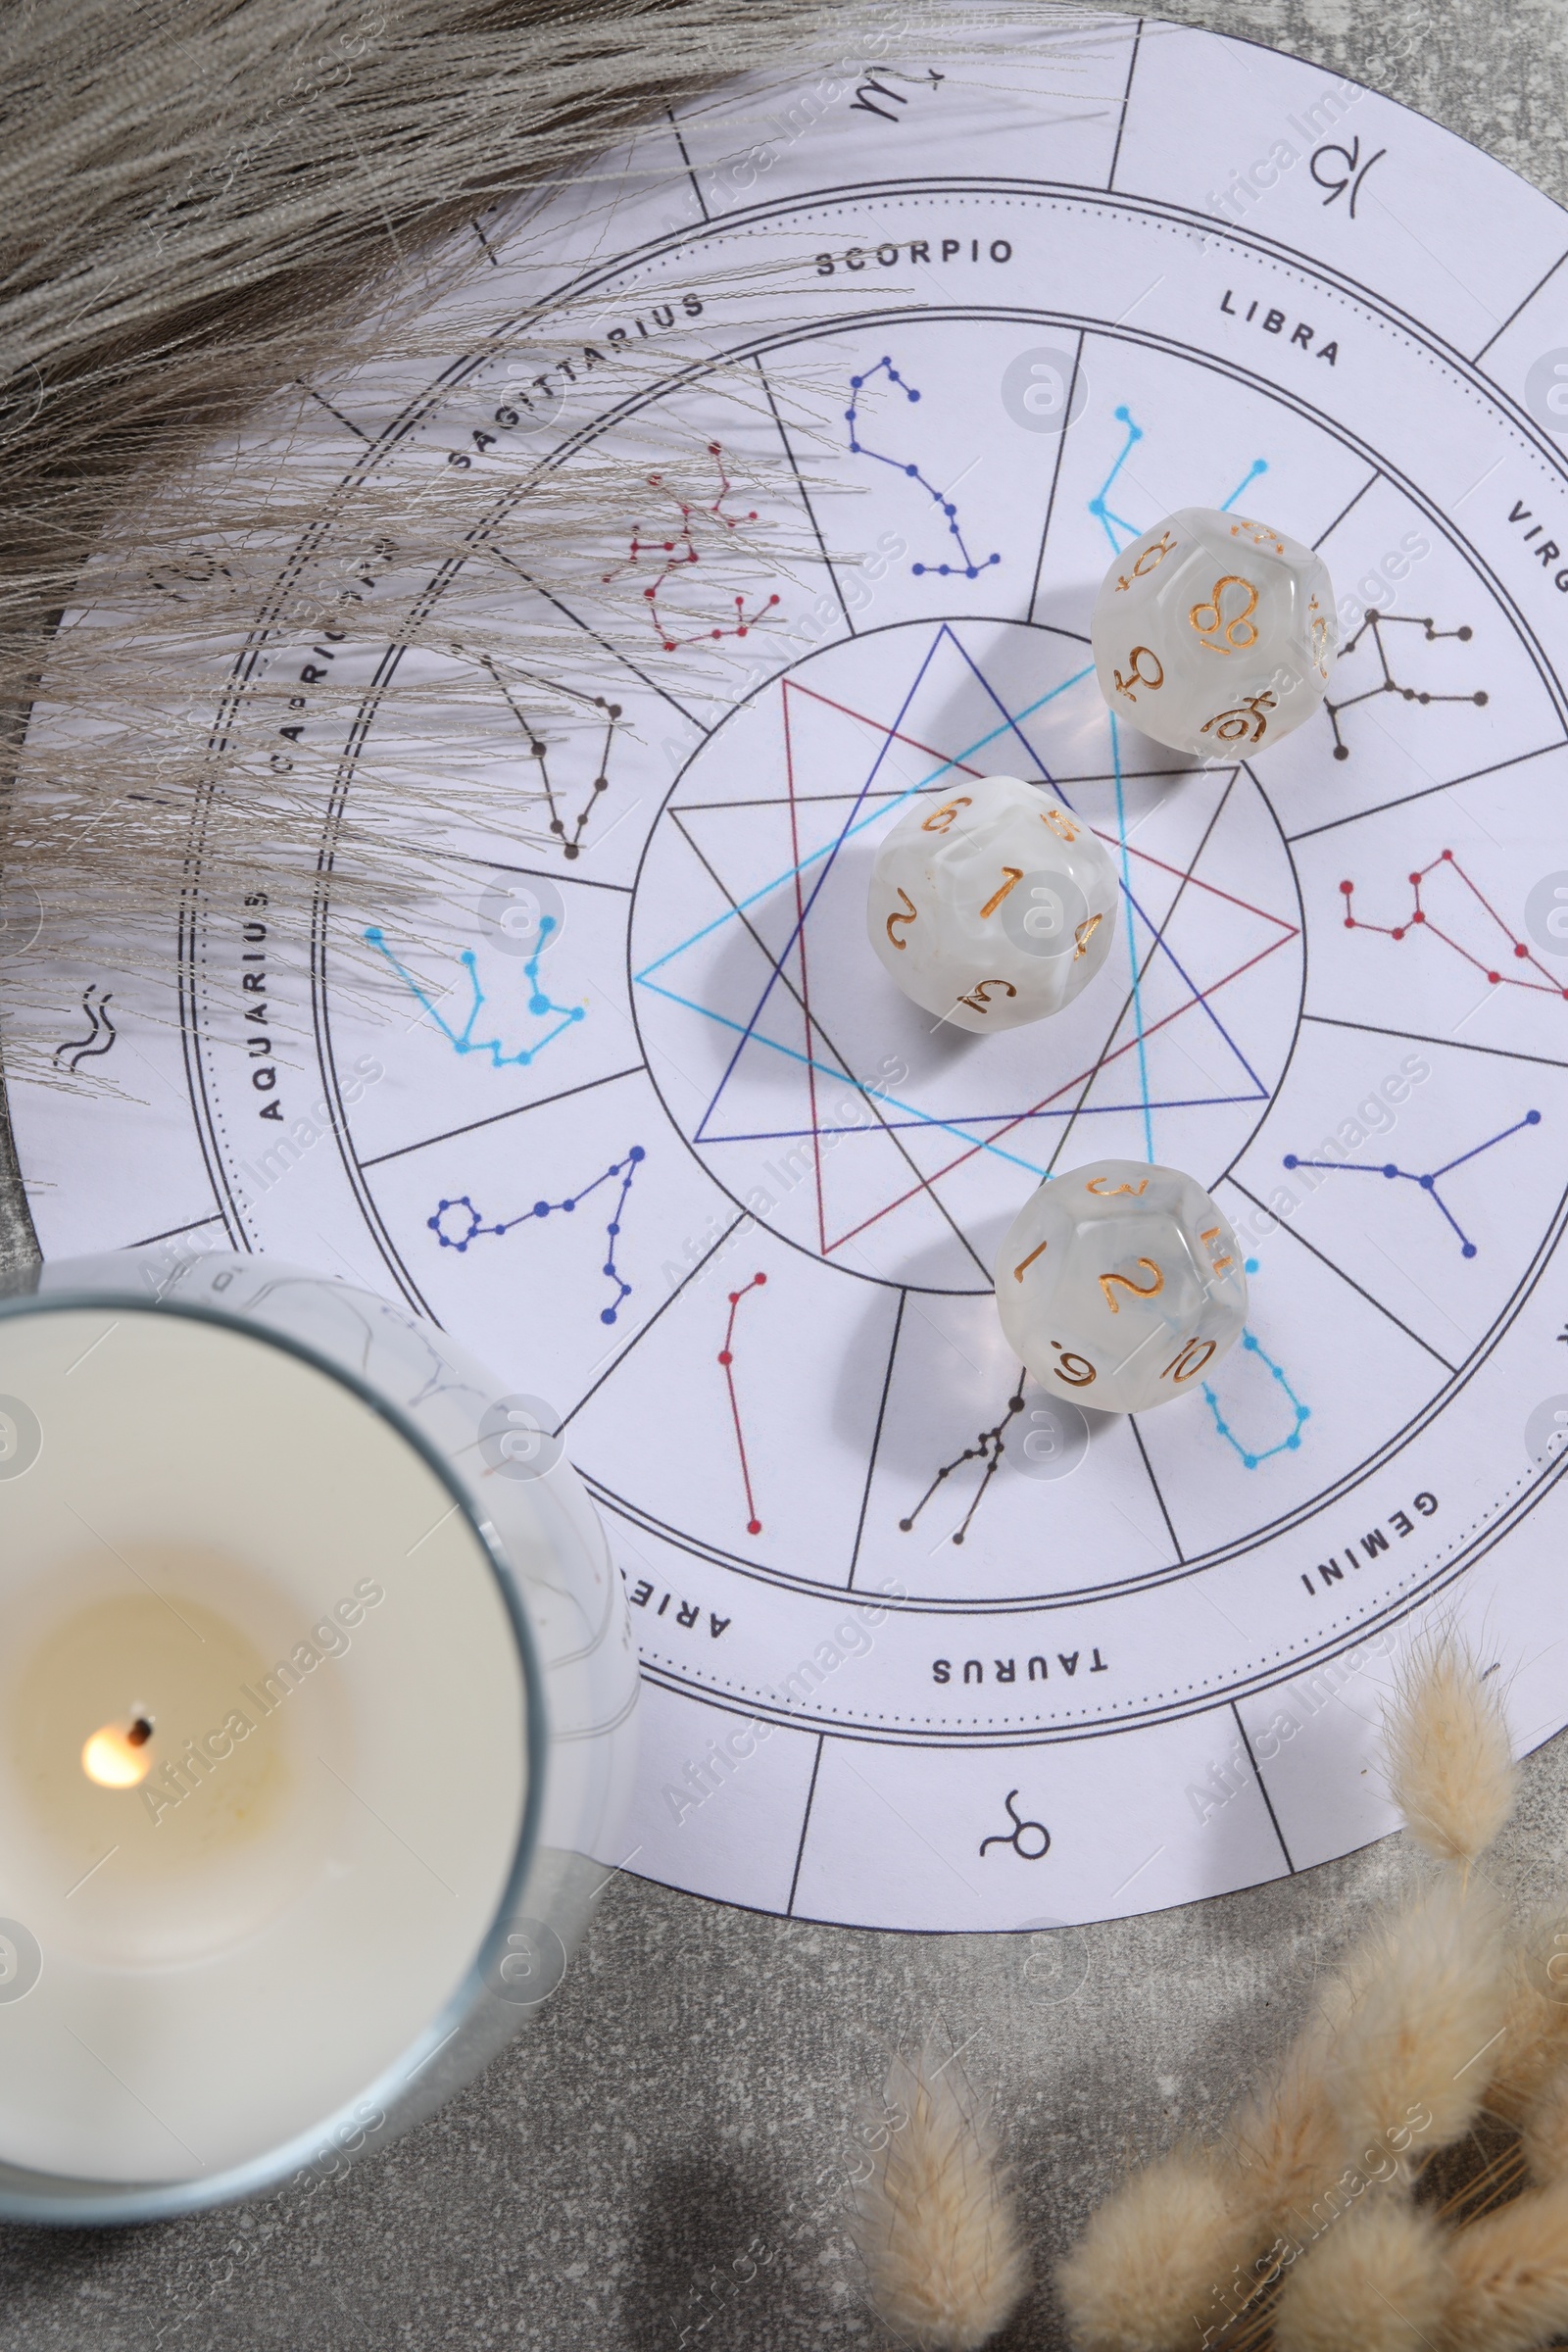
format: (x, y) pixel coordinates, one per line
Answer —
(686, 2098)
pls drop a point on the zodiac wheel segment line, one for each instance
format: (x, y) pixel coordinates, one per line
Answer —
(656, 1133)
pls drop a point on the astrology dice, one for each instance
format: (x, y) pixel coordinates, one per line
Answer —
(1120, 1284)
(991, 906)
(1214, 634)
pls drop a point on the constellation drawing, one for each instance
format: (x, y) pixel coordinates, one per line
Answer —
(784, 1020)
(1429, 1181)
(988, 1448)
(682, 549)
(726, 1357)
(1291, 1442)
(539, 753)
(1100, 507)
(966, 568)
(1110, 523)
(470, 1226)
(707, 852)
(77, 1049)
(1419, 918)
(463, 1040)
(1388, 683)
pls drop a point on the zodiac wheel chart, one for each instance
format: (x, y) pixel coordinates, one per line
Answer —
(643, 1122)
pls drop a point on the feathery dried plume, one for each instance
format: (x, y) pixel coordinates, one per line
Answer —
(1377, 2282)
(1157, 2259)
(1287, 2143)
(933, 2224)
(215, 214)
(1510, 2277)
(1413, 2054)
(1544, 2131)
(1535, 2040)
(1449, 1760)
(1436, 2015)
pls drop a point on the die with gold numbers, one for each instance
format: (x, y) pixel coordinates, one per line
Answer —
(1120, 1284)
(992, 905)
(1214, 634)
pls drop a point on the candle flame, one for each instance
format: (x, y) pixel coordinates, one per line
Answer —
(117, 1757)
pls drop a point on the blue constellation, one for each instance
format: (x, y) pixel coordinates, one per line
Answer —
(968, 569)
(463, 1040)
(1110, 523)
(1105, 513)
(475, 1226)
(1290, 1443)
(1428, 1182)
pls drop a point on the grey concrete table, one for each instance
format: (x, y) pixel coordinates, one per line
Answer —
(680, 2112)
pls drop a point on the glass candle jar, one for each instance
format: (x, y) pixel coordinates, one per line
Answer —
(317, 1720)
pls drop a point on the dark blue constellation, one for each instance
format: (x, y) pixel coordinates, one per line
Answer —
(1428, 1182)
(463, 1040)
(473, 1227)
(968, 568)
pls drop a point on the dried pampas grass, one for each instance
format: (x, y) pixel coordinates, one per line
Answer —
(1286, 2141)
(1379, 2283)
(1451, 1768)
(934, 2222)
(1510, 2273)
(1535, 2040)
(1544, 2132)
(213, 213)
(1145, 2273)
(1318, 2227)
(1429, 2012)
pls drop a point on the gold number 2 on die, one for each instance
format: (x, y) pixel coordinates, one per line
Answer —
(1139, 1289)
(905, 915)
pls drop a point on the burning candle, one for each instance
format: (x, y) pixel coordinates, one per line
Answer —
(116, 1757)
(316, 1695)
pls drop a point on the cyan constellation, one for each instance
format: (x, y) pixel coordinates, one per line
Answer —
(457, 1224)
(1101, 508)
(1428, 1182)
(1110, 523)
(1251, 1456)
(463, 1040)
(966, 568)
(1003, 1133)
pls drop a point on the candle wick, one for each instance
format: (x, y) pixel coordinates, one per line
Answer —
(140, 1731)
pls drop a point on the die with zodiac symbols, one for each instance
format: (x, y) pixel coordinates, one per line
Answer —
(992, 904)
(1120, 1284)
(1214, 634)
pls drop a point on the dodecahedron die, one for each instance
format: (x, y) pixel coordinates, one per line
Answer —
(993, 906)
(1120, 1284)
(1214, 634)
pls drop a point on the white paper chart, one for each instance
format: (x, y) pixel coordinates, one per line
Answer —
(920, 1651)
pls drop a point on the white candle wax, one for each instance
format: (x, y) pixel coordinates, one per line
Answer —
(224, 1541)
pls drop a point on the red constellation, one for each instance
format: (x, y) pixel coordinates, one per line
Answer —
(682, 549)
(726, 1357)
(1546, 985)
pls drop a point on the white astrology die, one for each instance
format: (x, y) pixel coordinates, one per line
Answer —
(993, 906)
(1120, 1284)
(1214, 634)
